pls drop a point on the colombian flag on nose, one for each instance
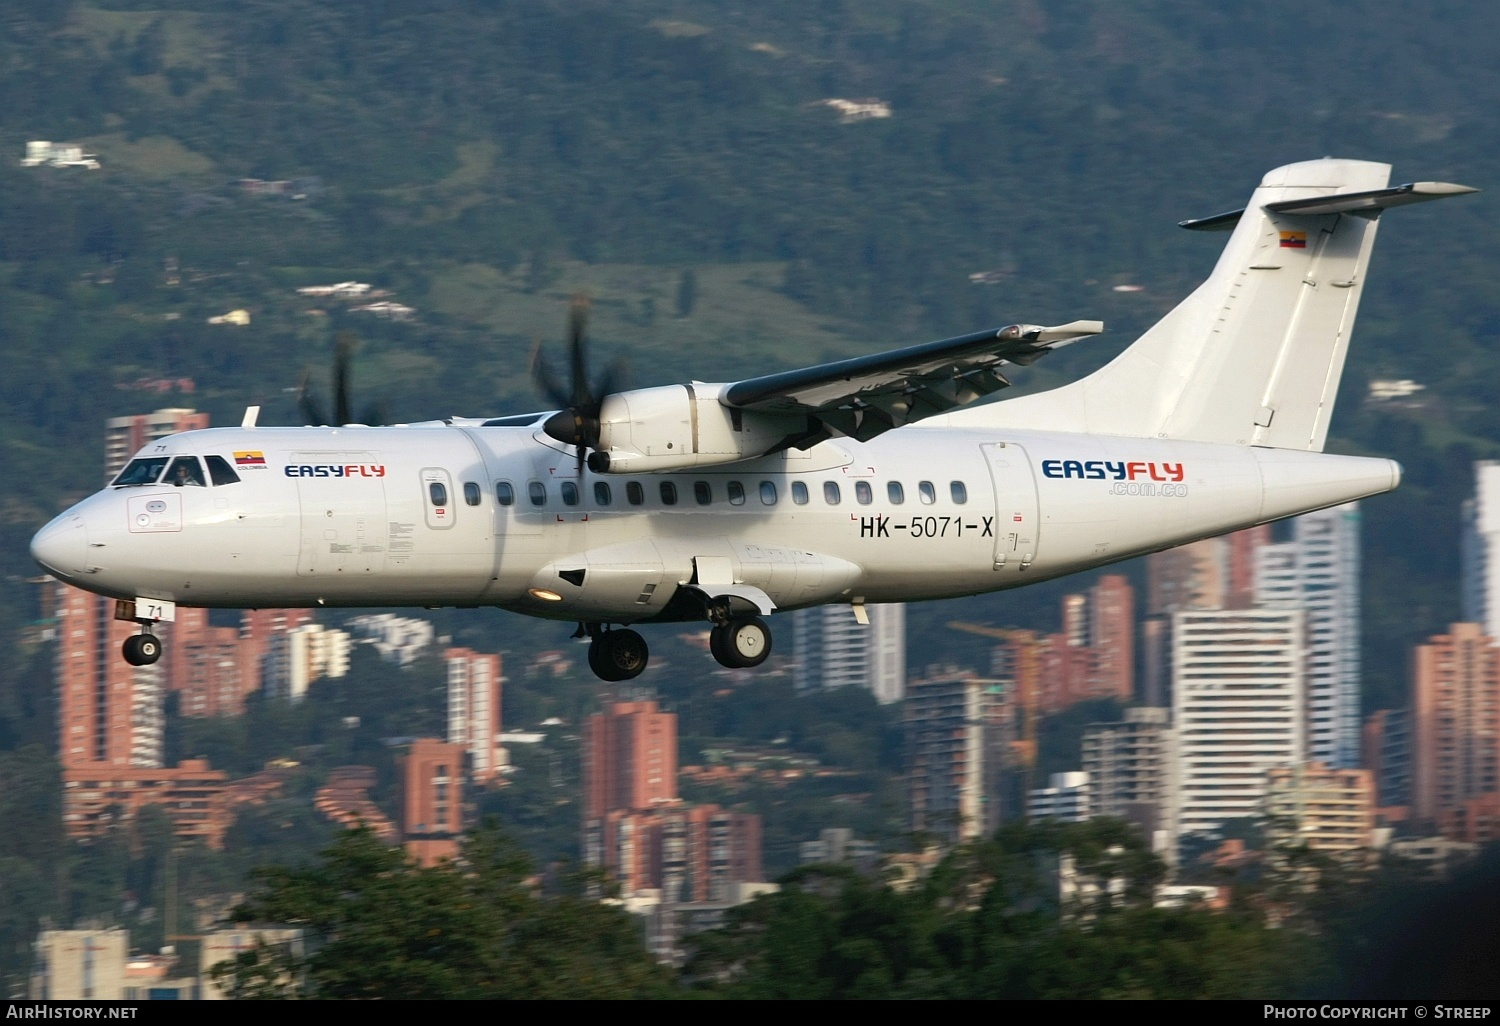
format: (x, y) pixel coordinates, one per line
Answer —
(253, 458)
(1293, 240)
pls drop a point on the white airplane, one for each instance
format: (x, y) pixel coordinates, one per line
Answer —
(868, 480)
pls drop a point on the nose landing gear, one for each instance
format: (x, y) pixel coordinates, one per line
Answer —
(142, 649)
(616, 655)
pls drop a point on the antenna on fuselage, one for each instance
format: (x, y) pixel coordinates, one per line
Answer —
(252, 414)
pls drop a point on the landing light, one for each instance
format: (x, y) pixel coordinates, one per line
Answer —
(545, 595)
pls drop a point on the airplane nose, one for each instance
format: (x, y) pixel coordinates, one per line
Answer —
(62, 546)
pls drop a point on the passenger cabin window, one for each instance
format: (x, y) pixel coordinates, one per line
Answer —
(505, 494)
(141, 472)
(768, 493)
(799, 493)
(668, 493)
(895, 492)
(862, 493)
(220, 472)
(831, 493)
(703, 493)
(471, 493)
(569, 493)
(537, 493)
(438, 493)
(186, 471)
(736, 494)
(959, 492)
(602, 496)
(927, 492)
(634, 493)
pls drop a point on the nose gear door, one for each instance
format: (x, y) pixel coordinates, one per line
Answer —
(1017, 520)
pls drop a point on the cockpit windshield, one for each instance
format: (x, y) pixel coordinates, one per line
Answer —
(142, 471)
(185, 470)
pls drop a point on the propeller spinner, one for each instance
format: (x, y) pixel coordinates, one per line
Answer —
(577, 423)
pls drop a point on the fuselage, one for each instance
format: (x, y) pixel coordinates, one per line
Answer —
(463, 514)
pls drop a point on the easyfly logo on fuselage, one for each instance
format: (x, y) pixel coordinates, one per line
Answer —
(1110, 470)
(328, 470)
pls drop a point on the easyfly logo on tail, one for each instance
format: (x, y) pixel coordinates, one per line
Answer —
(1109, 470)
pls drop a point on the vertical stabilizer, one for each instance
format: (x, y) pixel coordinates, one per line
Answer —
(1255, 354)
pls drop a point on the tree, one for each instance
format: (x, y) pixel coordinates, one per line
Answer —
(379, 926)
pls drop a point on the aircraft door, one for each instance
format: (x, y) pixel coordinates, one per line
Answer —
(342, 501)
(438, 501)
(1017, 520)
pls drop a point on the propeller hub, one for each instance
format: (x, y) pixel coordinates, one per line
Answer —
(571, 427)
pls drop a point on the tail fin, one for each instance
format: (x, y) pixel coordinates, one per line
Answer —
(1255, 354)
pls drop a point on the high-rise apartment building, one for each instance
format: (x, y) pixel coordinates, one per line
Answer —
(1318, 571)
(1238, 699)
(688, 853)
(1320, 808)
(302, 655)
(1066, 798)
(629, 759)
(80, 965)
(1093, 656)
(432, 790)
(1385, 751)
(944, 723)
(1480, 550)
(474, 684)
(1455, 724)
(124, 436)
(1129, 764)
(110, 713)
(833, 650)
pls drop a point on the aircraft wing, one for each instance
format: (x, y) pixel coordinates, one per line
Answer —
(868, 395)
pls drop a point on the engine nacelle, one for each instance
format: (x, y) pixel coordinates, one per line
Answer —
(678, 427)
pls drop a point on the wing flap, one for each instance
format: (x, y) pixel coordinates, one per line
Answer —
(867, 395)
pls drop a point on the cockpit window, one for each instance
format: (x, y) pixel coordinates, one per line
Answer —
(185, 470)
(141, 472)
(220, 472)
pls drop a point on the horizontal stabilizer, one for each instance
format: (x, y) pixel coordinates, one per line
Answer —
(1371, 201)
(1368, 203)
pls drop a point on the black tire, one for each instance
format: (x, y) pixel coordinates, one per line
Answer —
(141, 649)
(598, 663)
(626, 653)
(718, 648)
(747, 641)
(618, 655)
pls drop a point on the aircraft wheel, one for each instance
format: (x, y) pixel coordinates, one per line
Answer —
(618, 655)
(741, 643)
(142, 649)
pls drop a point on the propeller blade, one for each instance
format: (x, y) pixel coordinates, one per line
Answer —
(546, 382)
(578, 316)
(344, 346)
(311, 409)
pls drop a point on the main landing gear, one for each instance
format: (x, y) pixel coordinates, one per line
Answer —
(616, 655)
(142, 649)
(741, 642)
(738, 642)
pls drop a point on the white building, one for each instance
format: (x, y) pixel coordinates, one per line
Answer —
(833, 650)
(1318, 571)
(1238, 694)
(474, 689)
(297, 657)
(1480, 552)
(1066, 798)
(398, 639)
(80, 965)
(41, 151)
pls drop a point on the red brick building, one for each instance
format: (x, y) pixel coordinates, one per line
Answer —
(432, 789)
(1455, 726)
(629, 759)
